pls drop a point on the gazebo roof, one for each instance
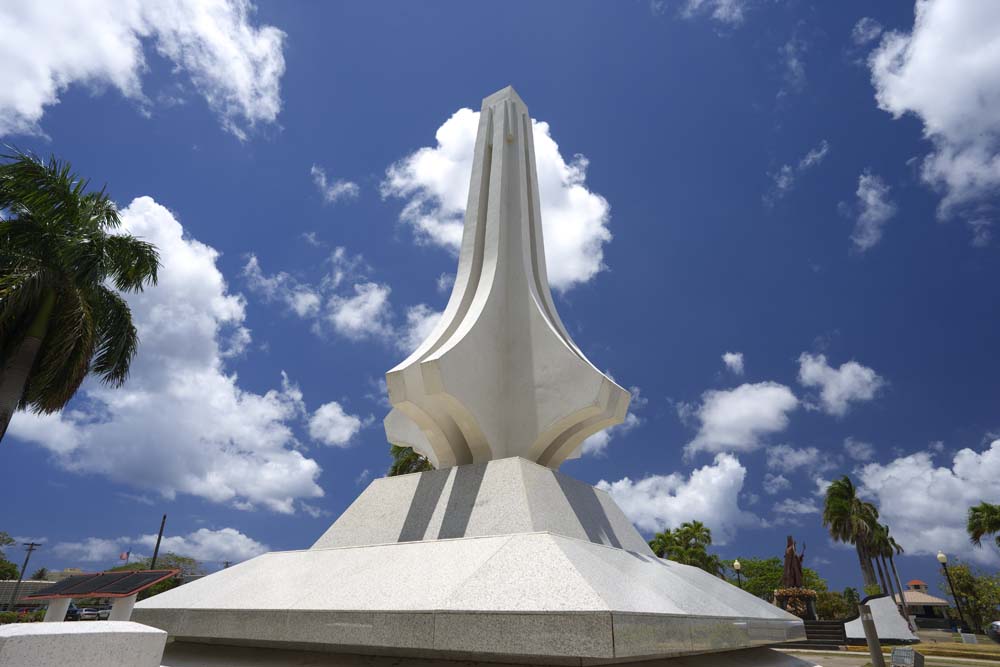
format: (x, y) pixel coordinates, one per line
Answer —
(922, 599)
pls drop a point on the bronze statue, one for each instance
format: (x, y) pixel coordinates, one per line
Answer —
(792, 577)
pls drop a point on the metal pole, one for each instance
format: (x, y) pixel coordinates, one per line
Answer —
(739, 579)
(871, 636)
(156, 551)
(951, 585)
(31, 546)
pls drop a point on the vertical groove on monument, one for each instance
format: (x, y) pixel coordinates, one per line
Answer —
(500, 376)
(506, 557)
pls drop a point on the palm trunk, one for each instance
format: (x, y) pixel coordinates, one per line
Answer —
(888, 579)
(18, 367)
(867, 574)
(902, 593)
(881, 575)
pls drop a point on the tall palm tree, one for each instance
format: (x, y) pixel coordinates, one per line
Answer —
(881, 549)
(850, 519)
(984, 519)
(405, 461)
(688, 544)
(62, 264)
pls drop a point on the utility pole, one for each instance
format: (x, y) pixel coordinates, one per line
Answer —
(30, 546)
(156, 551)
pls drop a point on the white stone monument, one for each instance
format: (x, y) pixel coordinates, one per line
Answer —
(494, 555)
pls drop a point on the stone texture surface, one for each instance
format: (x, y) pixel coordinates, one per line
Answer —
(536, 565)
(499, 375)
(889, 624)
(199, 655)
(98, 644)
(501, 497)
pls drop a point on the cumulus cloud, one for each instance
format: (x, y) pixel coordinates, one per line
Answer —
(838, 387)
(734, 362)
(182, 423)
(332, 426)
(333, 191)
(774, 484)
(873, 210)
(213, 546)
(597, 444)
(737, 419)
(788, 459)
(364, 314)
(945, 72)
(796, 506)
(420, 322)
(785, 177)
(709, 495)
(48, 47)
(434, 182)
(925, 505)
(858, 450)
(866, 31)
(344, 301)
(729, 12)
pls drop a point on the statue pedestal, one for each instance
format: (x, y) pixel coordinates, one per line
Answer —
(506, 560)
(798, 601)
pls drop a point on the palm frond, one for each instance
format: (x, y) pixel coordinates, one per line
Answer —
(116, 337)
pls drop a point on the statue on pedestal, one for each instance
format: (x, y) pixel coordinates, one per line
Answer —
(793, 596)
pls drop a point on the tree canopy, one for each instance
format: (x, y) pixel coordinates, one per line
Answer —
(405, 461)
(984, 519)
(688, 544)
(63, 262)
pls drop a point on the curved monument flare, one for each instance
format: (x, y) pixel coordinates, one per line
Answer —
(495, 555)
(499, 375)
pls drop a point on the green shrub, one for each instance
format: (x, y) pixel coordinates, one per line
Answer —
(8, 617)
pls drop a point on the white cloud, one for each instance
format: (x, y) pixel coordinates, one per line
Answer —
(709, 495)
(597, 444)
(730, 12)
(734, 362)
(792, 55)
(866, 31)
(361, 311)
(335, 191)
(874, 209)
(48, 47)
(858, 450)
(182, 424)
(774, 484)
(332, 426)
(434, 181)
(445, 282)
(363, 315)
(839, 387)
(212, 546)
(946, 72)
(982, 232)
(784, 178)
(799, 506)
(420, 322)
(788, 459)
(737, 419)
(925, 505)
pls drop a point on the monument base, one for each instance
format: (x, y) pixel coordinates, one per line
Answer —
(505, 560)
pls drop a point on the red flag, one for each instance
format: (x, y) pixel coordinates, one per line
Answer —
(123, 556)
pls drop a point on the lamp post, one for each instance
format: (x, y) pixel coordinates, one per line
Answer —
(739, 577)
(943, 559)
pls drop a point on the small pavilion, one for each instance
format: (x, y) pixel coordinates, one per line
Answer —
(928, 610)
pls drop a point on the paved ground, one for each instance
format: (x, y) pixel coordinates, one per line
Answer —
(845, 659)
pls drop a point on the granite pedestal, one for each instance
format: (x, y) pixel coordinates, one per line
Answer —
(502, 560)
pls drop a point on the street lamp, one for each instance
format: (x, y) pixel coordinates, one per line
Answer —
(738, 567)
(943, 559)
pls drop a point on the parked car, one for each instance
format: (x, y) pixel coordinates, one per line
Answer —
(104, 611)
(73, 613)
(993, 631)
(89, 614)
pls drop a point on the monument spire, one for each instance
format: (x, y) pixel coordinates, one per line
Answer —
(499, 375)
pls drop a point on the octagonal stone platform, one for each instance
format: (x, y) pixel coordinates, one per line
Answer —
(501, 560)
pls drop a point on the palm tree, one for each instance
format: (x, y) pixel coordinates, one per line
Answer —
(405, 461)
(851, 520)
(60, 256)
(984, 519)
(688, 544)
(881, 549)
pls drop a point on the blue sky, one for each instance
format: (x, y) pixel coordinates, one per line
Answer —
(807, 186)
